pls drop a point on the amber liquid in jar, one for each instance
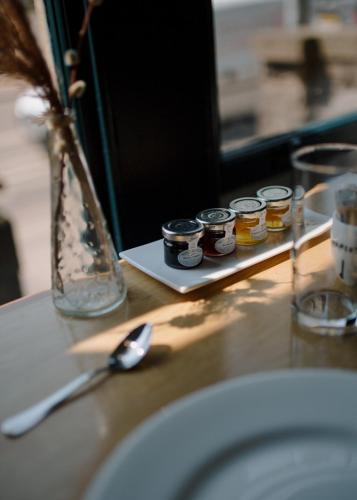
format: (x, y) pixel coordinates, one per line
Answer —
(249, 232)
(250, 220)
(278, 200)
(278, 218)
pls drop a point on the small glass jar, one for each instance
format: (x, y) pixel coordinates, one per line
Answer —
(278, 199)
(219, 238)
(183, 243)
(250, 220)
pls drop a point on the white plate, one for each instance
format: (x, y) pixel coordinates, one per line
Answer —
(150, 258)
(285, 435)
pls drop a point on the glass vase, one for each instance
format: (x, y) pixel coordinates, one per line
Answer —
(87, 280)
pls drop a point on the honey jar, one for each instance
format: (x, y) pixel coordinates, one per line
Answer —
(278, 200)
(183, 243)
(219, 237)
(250, 220)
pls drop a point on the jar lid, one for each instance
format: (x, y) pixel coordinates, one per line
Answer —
(275, 193)
(248, 205)
(182, 229)
(215, 216)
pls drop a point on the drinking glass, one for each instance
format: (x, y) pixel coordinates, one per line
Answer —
(325, 238)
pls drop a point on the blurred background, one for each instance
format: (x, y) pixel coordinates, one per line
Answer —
(24, 203)
(25, 188)
(281, 64)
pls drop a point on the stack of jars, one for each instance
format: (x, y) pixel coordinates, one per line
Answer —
(215, 232)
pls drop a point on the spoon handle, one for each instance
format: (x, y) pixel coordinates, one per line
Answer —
(24, 421)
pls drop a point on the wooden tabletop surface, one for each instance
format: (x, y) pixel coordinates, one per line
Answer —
(232, 327)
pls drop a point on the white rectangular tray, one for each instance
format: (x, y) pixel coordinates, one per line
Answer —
(149, 258)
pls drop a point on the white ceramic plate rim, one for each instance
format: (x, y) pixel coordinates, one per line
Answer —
(195, 402)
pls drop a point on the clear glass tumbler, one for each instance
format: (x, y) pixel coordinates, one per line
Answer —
(325, 238)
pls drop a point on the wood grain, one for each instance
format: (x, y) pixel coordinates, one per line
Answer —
(233, 327)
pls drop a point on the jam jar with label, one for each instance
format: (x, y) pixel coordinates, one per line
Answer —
(183, 243)
(278, 200)
(250, 220)
(219, 238)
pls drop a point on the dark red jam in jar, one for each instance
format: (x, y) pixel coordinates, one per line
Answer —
(183, 243)
(219, 238)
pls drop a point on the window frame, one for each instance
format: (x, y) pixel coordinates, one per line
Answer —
(161, 129)
(268, 156)
(180, 159)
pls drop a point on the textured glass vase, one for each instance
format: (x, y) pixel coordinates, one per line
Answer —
(86, 276)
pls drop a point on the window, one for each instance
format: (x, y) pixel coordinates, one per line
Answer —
(150, 118)
(283, 64)
(300, 87)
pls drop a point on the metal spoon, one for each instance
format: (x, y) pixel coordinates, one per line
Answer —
(127, 354)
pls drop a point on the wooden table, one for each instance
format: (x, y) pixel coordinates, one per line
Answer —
(233, 327)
